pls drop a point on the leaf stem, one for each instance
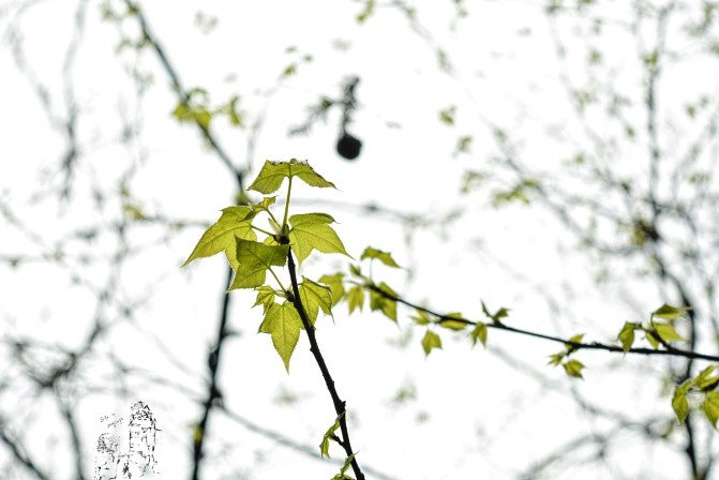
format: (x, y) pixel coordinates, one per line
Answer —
(262, 230)
(339, 404)
(277, 279)
(287, 202)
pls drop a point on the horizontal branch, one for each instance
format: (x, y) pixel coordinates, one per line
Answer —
(670, 350)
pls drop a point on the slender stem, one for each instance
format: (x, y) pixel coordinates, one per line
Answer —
(277, 279)
(287, 203)
(262, 230)
(339, 405)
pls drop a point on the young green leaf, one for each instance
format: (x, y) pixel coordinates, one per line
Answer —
(283, 323)
(573, 368)
(711, 407)
(705, 380)
(666, 332)
(270, 178)
(479, 333)
(453, 321)
(355, 298)
(384, 257)
(315, 297)
(556, 358)
(669, 312)
(222, 234)
(343, 471)
(430, 341)
(265, 297)
(254, 259)
(311, 231)
(626, 335)
(380, 302)
(325, 444)
(575, 339)
(499, 314)
(651, 338)
(680, 404)
(336, 284)
(421, 318)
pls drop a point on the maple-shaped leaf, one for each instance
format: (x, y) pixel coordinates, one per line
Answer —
(315, 297)
(273, 174)
(265, 297)
(311, 231)
(221, 236)
(254, 258)
(336, 286)
(430, 341)
(355, 298)
(384, 257)
(283, 323)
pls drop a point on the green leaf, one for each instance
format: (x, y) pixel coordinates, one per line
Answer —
(355, 298)
(355, 270)
(315, 297)
(421, 318)
(626, 335)
(265, 297)
(652, 339)
(680, 404)
(254, 259)
(325, 444)
(574, 339)
(343, 471)
(310, 231)
(666, 332)
(283, 323)
(556, 358)
(453, 321)
(222, 235)
(263, 205)
(669, 312)
(380, 302)
(711, 407)
(384, 257)
(573, 368)
(479, 333)
(705, 381)
(270, 178)
(336, 284)
(499, 314)
(430, 341)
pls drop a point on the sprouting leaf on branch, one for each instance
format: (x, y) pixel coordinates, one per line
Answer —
(574, 340)
(355, 298)
(710, 406)
(384, 257)
(254, 260)
(380, 302)
(431, 341)
(222, 235)
(453, 321)
(314, 297)
(325, 444)
(336, 285)
(626, 335)
(705, 380)
(666, 332)
(270, 178)
(573, 368)
(283, 323)
(680, 404)
(265, 297)
(422, 318)
(311, 231)
(343, 471)
(669, 312)
(499, 314)
(479, 333)
(556, 358)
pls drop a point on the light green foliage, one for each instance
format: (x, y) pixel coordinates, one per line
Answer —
(453, 321)
(680, 404)
(283, 323)
(497, 316)
(669, 312)
(355, 298)
(380, 302)
(222, 235)
(666, 332)
(430, 341)
(311, 231)
(343, 471)
(573, 368)
(384, 257)
(479, 333)
(273, 174)
(447, 115)
(710, 406)
(421, 318)
(254, 260)
(315, 297)
(336, 285)
(265, 297)
(705, 383)
(626, 335)
(330, 433)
